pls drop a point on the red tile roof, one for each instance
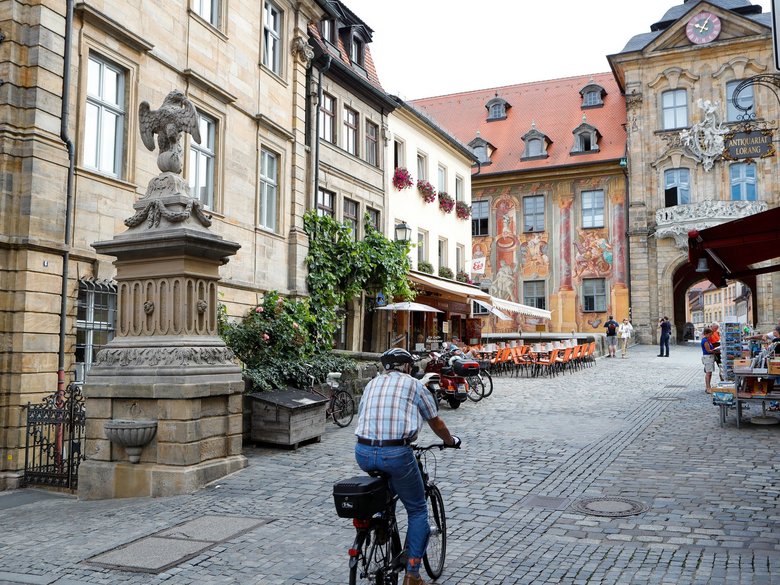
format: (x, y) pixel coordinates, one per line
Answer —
(368, 60)
(555, 107)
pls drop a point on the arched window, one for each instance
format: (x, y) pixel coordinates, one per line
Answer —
(497, 108)
(677, 187)
(743, 181)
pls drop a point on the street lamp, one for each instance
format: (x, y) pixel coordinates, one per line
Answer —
(403, 233)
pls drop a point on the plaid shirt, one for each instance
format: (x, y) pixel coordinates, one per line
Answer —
(392, 406)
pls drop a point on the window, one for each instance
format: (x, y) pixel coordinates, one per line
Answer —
(356, 51)
(674, 104)
(422, 246)
(497, 108)
(479, 218)
(202, 157)
(328, 30)
(350, 130)
(533, 294)
(745, 100)
(533, 213)
(351, 210)
(593, 209)
(372, 144)
(591, 98)
(677, 187)
(269, 189)
(743, 181)
(481, 152)
(458, 188)
(442, 176)
(422, 167)
(272, 38)
(208, 10)
(325, 203)
(594, 295)
(460, 258)
(95, 321)
(105, 117)
(534, 147)
(584, 141)
(399, 154)
(328, 118)
(442, 252)
(497, 111)
(373, 217)
(477, 309)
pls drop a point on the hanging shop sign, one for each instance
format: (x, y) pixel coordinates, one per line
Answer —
(748, 145)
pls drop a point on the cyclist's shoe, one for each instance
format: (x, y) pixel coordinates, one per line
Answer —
(414, 580)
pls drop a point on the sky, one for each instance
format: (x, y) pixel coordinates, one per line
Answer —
(425, 48)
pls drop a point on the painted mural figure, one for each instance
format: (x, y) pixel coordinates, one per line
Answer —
(504, 283)
(594, 255)
(534, 258)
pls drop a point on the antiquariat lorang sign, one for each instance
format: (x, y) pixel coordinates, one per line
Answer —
(748, 145)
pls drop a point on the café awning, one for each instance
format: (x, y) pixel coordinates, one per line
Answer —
(464, 291)
(513, 307)
(730, 250)
(493, 310)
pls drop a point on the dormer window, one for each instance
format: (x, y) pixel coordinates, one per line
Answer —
(357, 51)
(592, 95)
(497, 108)
(536, 144)
(482, 149)
(328, 30)
(586, 138)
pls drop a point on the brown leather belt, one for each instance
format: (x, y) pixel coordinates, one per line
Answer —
(385, 442)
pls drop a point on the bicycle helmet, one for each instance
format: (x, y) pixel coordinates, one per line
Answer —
(395, 357)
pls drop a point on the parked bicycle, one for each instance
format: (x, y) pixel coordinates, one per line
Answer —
(480, 384)
(341, 405)
(376, 556)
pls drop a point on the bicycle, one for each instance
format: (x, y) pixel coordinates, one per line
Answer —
(341, 405)
(376, 555)
(480, 385)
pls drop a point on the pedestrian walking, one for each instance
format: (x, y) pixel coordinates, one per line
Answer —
(708, 352)
(715, 340)
(666, 334)
(612, 330)
(625, 331)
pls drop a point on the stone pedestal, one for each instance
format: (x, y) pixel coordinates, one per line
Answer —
(167, 362)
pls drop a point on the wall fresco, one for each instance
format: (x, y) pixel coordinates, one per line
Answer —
(593, 257)
(534, 258)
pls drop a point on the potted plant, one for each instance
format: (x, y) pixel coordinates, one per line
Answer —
(402, 179)
(426, 190)
(462, 210)
(445, 272)
(424, 266)
(463, 276)
(446, 203)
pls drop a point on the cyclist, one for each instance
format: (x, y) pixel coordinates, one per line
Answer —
(388, 422)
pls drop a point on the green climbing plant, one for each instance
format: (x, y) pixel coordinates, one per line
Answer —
(340, 268)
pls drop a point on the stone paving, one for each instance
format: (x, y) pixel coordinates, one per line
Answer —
(639, 428)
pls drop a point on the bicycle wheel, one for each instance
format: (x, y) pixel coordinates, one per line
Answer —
(343, 408)
(487, 379)
(437, 541)
(476, 388)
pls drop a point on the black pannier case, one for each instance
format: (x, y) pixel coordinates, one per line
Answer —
(465, 367)
(361, 496)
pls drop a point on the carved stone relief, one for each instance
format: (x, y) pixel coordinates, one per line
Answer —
(705, 139)
(675, 222)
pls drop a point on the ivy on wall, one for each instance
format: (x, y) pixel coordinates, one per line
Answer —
(341, 268)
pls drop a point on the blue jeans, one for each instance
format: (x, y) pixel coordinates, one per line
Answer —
(665, 344)
(405, 480)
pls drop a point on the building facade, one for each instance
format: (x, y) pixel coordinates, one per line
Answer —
(548, 197)
(678, 80)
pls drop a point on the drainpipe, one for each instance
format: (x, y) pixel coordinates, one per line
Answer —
(317, 132)
(64, 114)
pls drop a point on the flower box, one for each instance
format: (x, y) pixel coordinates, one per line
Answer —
(426, 190)
(446, 203)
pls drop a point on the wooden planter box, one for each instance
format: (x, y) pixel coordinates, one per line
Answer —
(287, 417)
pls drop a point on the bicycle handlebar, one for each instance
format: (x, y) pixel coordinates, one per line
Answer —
(439, 446)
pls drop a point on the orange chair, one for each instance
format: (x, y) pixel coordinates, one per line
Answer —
(546, 363)
(564, 361)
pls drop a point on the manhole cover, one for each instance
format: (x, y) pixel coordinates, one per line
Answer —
(666, 398)
(611, 507)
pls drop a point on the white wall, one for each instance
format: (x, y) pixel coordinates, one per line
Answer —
(409, 206)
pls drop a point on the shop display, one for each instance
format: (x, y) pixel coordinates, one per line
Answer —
(730, 347)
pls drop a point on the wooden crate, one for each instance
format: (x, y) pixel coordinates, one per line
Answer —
(287, 417)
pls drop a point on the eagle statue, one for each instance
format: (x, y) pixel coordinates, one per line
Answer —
(176, 115)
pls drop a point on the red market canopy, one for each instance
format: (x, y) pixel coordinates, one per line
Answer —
(729, 251)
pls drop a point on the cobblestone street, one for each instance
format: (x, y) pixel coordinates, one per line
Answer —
(639, 428)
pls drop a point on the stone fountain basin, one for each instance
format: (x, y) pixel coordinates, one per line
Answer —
(130, 433)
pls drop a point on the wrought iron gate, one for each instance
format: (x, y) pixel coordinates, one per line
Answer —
(54, 439)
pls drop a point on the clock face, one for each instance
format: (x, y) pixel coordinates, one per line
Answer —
(703, 28)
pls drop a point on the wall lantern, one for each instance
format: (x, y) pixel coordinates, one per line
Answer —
(403, 233)
(702, 266)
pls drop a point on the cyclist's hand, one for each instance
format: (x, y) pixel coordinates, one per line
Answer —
(456, 443)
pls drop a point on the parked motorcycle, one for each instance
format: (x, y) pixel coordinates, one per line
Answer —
(451, 385)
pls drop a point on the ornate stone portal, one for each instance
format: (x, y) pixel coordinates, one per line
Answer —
(167, 362)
